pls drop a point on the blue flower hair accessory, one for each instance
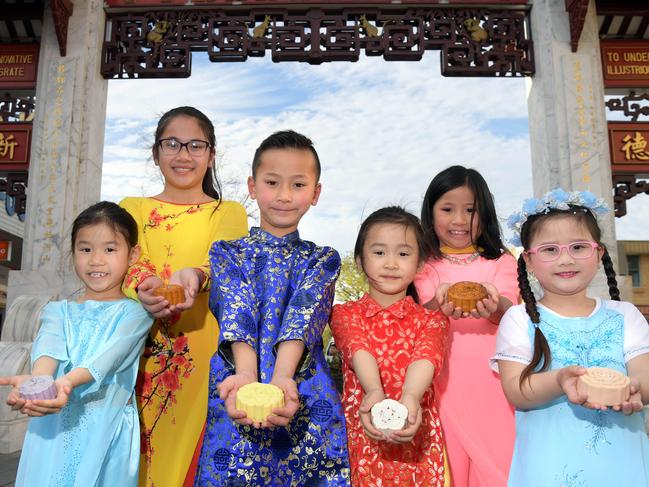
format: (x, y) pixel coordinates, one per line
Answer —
(557, 199)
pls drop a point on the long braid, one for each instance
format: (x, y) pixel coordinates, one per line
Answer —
(613, 290)
(542, 353)
(526, 292)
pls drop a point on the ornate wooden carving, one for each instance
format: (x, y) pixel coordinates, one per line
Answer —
(61, 12)
(577, 15)
(473, 42)
(628, 106)
(625, 187)
(16, 108)
(14, 185)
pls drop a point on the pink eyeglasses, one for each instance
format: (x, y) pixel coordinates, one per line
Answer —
(577, 250)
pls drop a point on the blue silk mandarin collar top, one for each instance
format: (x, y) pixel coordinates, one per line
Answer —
(268, 238)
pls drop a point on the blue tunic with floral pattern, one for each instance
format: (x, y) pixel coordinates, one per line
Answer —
(266, 290)
(567, 445)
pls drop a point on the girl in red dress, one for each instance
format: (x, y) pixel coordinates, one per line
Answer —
(391, 348)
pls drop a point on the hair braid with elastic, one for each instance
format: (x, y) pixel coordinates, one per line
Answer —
(541, 353)
(609, 270)
(526, 291)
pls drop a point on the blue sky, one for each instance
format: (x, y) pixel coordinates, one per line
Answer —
(382, 129)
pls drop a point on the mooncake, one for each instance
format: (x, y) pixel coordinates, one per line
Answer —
(466, 294)
(258, 400)
(173, 293)
(389, 415)
(606, 387)
(38, 387)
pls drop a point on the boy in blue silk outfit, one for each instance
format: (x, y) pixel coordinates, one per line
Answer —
(272, 293)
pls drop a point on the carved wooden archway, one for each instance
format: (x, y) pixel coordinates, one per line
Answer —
(157, 41)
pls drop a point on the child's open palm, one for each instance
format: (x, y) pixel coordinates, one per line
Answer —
(156, 305)
(13, 398)
(484, 308)
(227, 391)
(413, 421)
(188, 279)
(488, 306)
(283, 416)
(567, 378)
(634, 403)
(365, 415)
(43, 407)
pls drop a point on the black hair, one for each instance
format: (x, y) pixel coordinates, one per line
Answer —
(112, 215)
(286, 139)
(211, 185)
(397, 216)
(490, 239)
(542, 357)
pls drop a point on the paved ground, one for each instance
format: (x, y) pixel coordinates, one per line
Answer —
(8, 467)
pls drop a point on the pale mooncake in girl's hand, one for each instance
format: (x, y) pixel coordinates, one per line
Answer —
(38, 387)
(606, 387)
(258, 400)
(389, 415)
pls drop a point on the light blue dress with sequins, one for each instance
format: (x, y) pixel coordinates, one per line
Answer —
(566, 445)
(94, 440)
(266, 290)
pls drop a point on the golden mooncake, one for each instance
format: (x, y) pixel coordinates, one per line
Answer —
(173, 293)
(466, 294)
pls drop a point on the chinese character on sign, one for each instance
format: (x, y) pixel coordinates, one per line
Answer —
(7, 145)
(634, 147)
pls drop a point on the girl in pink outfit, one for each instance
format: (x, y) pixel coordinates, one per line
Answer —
(459, 217)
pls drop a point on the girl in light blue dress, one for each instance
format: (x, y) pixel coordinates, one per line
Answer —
(89, 434)
(543, 347)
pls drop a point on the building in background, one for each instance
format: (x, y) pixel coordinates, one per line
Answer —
(634, 262)
(20, 27)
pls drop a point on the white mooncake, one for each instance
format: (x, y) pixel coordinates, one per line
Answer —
(258, 400)
(389, 415)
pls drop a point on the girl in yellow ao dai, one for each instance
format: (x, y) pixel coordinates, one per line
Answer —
(177, 228)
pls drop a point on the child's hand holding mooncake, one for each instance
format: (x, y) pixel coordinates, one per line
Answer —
(282, 416)
(228, 393)
(465, 298)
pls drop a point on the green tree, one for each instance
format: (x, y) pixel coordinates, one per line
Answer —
(352, 283)
(350, 286)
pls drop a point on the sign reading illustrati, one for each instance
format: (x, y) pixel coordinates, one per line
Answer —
(625, 64)
(15, 140)
(629, 145)
(18, 65)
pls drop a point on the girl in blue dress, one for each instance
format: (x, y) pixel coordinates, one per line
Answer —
(543, 347)
(89, 434)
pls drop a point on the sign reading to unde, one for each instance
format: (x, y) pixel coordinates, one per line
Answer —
(18, 65)
(625, 64)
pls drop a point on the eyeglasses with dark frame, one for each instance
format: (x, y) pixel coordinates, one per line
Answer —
(195, 147)
(577, 250)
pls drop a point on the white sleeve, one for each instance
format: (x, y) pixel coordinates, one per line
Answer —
(636, 331)
(513, 339)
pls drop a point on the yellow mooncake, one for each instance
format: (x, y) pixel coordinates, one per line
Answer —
(258, 400)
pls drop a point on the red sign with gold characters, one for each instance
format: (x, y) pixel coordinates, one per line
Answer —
(15, 140)
(5, 250)
(629, 146)
(18, 65)
(625, 63)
